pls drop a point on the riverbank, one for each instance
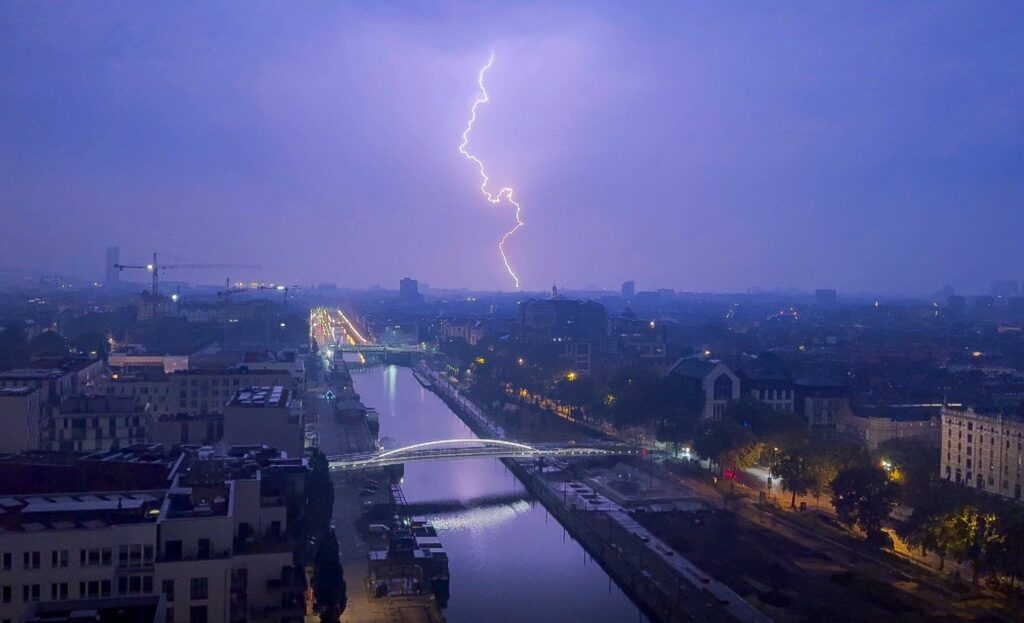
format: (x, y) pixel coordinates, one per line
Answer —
(342, 427)
(510, 559)
(664, 583)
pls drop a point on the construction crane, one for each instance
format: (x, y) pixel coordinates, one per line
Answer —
(226, 293)
(155, 268)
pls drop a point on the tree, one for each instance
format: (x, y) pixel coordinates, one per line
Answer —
(864, 497)
(822, 471)
(634, 389)
(795, 471)
(92, 342)
(775, 428)
(48, 343)
(717, 440)
(329, 587)
(974, 536)
(13, 346)
(1009, 553)
(319, 496)
(914, 463)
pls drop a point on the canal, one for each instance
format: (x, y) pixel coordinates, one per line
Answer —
(510, 561)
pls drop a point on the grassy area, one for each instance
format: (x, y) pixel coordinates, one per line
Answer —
(790, 581)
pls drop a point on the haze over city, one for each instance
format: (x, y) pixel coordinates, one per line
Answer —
(870, 147)
(511, 312)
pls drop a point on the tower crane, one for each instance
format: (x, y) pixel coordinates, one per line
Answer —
(156, 269)
(226, 293)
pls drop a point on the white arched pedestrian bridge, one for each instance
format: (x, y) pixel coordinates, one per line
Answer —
(447, 449)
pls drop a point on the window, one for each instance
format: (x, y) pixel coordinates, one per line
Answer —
(59, 591)
(167, 588)
(7, 561)
(5, 591)
(197, 614)
(204, 548)
(199, 589)
(29, 592)
(172, 550)
(59, 558)
(31, 560)
(105, 588)
(170, 615)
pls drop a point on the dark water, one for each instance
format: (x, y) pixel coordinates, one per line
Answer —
(510, 561)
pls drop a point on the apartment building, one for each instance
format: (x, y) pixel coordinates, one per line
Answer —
(54, 384)
(128, 363)
(277, 360)
(194, 390)
(21, 413)
(148, 387)
(873, 425)
(96, 424)
(983, 449)
(210, 540)
(264, 415)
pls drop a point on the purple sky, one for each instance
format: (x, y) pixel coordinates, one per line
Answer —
(700, 146)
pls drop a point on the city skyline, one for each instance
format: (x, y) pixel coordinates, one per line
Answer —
(700, 149)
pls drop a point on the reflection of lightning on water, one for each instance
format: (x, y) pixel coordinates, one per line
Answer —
(480, 517)
(504, 193)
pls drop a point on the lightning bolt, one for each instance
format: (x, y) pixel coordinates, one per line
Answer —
(504, 193)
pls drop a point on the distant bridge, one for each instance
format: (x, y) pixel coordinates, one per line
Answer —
(447, 449)
(383, 349)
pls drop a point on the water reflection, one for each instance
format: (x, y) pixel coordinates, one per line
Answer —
(480, 517)
(510, 561)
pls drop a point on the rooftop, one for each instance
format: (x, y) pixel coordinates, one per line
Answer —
(16, 391)
(693, 367)
(88, 511)
(32, 374)
(266, 396)
(67, 364)
(269, 356)
(139, 467)
(234, 370)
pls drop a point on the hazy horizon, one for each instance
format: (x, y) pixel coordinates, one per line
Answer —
(862, 147)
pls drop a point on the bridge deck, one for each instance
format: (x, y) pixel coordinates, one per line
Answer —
(470, 448)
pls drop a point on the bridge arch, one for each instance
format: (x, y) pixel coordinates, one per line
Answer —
(455, 442)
